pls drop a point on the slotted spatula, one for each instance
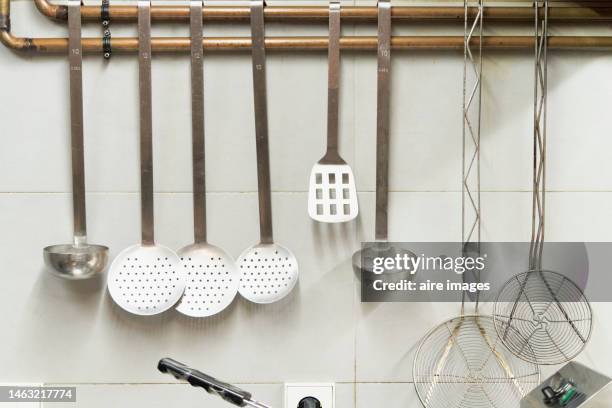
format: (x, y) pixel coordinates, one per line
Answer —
(332, 196)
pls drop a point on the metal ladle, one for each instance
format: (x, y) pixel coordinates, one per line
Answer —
(78, 260)
(363, 259)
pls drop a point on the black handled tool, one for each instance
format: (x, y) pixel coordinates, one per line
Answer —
(227, 392)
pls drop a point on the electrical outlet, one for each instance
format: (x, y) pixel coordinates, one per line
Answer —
(296, 392)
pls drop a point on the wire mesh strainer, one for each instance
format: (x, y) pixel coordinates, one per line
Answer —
(462, 362)
(548, 310)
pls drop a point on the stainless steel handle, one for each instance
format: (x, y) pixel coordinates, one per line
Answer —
(197, 122)
(75, 58)
(261, 120)
(333, 87)
(382, 121)
(146, 123)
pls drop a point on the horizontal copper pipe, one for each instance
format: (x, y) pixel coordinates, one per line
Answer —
(170, 44)
(180, 13)
(178, 44)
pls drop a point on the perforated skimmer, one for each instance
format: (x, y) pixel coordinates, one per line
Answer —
(268, 272)
(146, 279)
(211, 275)
(332, 193)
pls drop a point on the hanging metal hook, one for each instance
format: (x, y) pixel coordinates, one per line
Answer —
(107, 48)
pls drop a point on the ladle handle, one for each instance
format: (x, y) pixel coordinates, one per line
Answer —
(333, 86)
(382, 120)
(261, 120)
(197, 122)
(146, 123)
(75, 58)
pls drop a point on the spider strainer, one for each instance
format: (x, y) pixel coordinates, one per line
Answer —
(363, 259)
(549, 310)
(211, 275)
(462, 362)
(332, 193)
(146, 279)
(268, 272)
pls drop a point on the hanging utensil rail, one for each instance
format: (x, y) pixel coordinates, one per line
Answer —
(180, 13)
(182, 44)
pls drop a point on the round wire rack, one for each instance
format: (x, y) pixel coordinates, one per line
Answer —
(462, 363)
(543, 317)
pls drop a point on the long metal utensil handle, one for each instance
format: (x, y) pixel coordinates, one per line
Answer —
(382, 121)
(197, 122)
(146, 122)
(261, 120)
(76, 122)
(539, 153)
(333, 85)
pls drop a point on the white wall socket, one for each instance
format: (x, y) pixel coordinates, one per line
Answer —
(324, 392)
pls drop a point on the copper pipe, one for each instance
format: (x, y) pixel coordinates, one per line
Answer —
(180, 13)
(178, 44)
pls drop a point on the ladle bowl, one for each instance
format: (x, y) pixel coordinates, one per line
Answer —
(363, 261)
(76, 262)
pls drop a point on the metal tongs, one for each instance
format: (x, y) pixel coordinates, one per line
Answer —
(227, 392)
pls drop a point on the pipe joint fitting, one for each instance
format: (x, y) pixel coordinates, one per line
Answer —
(5, 23)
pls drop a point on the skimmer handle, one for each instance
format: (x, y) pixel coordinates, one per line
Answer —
(382, 120)
(146, 122)
(75, 58)
(197, 122)
(333, 86)
(261, 120)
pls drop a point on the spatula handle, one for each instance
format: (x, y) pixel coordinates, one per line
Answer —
(146, 122)
(197, 122)
(333, 88)
(75, 58)
(383, 118)
(261, 120)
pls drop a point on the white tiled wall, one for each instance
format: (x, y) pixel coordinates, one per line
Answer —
(66, 333)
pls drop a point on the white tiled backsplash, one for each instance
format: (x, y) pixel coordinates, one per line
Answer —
(63, 333)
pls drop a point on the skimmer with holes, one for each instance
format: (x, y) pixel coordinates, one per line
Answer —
(211, 275)
(268, 272)
(548, 310)
(146, 279)
(332, 194)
